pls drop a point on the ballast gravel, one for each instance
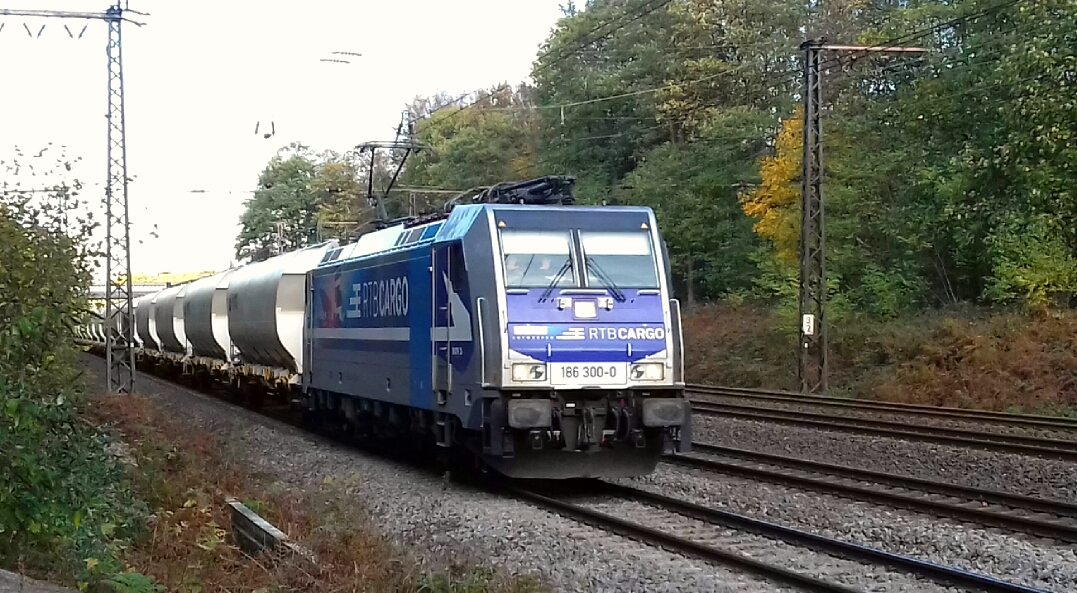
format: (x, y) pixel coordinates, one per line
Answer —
(1026, 560)
(977, 468)
(439, 523)
(860, 576)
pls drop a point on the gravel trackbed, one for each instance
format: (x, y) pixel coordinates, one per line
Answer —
(438, 522)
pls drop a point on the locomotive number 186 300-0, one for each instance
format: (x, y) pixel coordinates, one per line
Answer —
(588, 373)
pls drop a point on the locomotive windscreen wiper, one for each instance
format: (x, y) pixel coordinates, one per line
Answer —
(556, 279)
(603, 276)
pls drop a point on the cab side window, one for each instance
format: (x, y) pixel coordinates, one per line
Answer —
(457, 267)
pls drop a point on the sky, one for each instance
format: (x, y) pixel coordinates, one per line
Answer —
(200, 74)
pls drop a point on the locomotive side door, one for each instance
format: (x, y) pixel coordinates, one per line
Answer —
(450, 329)
(440, 364)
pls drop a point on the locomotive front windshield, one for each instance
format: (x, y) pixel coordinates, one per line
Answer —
(537, 259)
(619, 260)
(543, 259)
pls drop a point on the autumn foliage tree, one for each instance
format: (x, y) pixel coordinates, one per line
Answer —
(304, 197)
(948, 176)
(487, 141)
(775, 203)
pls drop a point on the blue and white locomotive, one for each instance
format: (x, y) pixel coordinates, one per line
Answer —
(530, 336)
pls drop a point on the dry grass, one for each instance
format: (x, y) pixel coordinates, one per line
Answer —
(742, 346)
(961, 357)
(1008, 362)
(187, 547)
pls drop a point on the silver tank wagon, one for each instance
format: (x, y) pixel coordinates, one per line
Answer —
(205, 316)
(266, 303)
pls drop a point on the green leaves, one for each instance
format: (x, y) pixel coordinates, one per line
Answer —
(133, 582)
(280, 215)
(487, 142)
(57, 487)
(1032, 261)
(304, 198)
(949, 176)
(693, 190)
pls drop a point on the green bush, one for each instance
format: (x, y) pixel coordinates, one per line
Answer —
(65, 510)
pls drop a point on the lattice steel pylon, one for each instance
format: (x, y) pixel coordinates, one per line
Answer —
(812, 365)
(120, 354)
(119, 329)
(812, 342)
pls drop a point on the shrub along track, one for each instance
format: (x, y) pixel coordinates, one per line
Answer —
(717, 545)
(1036, 516)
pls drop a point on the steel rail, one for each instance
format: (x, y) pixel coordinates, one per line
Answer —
(788, 534)
(1050, 529)
(679, 545)
(1023, 420)
(936, 572)
(1042, 505)
(1049, 448)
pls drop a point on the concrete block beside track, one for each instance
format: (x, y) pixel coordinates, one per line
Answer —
(11, 582)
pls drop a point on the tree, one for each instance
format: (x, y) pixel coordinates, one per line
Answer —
(982, 189)
(488, 141)
(693, 190)
(305, 197)
(280, 217)
(343, 210)
(595, 116)
(672, 107)
(949, 177)
(775, 203)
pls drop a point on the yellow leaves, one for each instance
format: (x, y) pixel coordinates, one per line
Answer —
(212, 537)
(523, 165)
(688, 100)
(774, 203)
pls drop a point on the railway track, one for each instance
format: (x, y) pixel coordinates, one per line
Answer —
(1025, 445)
(957, 414)
(719, 536)
(1035, 516)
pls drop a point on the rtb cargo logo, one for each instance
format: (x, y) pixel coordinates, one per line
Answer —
(379, 298)
(621, 334)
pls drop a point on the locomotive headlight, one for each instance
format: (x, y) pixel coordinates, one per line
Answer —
(647, 371)
(526, 371)
(584, 309)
